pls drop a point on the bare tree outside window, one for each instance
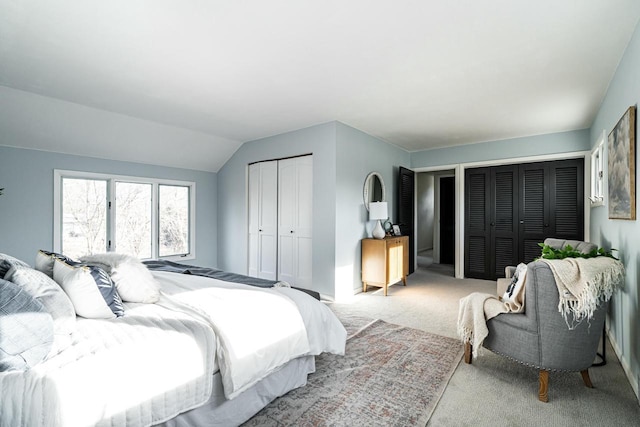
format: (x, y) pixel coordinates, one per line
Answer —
(84, 216)
(143, 217)
(173, 220)
(133, 219)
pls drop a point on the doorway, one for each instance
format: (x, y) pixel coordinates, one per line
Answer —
(436, 221)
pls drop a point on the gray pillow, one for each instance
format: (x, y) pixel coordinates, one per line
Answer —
(45, 260)
(7, 261)
(26, 329)
(54, 300)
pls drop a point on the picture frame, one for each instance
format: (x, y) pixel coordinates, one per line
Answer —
(396, 230)
(621, 167)
(597, 171)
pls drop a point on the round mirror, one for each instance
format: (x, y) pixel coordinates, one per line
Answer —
(374, 190)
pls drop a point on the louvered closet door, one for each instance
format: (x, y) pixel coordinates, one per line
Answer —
(534, 209)
(504, 221)
(551, 204)
(567, 201)
(510, 209)
(477, 219)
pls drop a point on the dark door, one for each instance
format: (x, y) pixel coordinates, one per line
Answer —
(447, 219)
(477, 214)
(406, 210)
(503, 238)
(551, 205)
(533, 210)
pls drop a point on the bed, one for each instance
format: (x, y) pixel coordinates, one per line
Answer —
(206, 352)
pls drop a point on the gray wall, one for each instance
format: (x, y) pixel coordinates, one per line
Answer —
(232, 193)
(624, 313)
(358, 154)
(425, 209)
(26, 207)
(553, 143)
(342, 158)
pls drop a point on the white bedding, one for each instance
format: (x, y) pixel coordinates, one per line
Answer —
(118, 372)
(258, 329)
(158, 360)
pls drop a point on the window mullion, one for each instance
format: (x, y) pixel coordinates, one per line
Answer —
(155, 222)
(111, 216)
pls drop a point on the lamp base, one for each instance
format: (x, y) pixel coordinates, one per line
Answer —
(378, 231)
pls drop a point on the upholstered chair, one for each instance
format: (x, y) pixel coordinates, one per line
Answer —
(540, 337)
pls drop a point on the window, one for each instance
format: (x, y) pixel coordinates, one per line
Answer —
(597, 173)
(142, 217)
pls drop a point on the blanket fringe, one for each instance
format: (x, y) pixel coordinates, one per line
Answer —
(576, 308)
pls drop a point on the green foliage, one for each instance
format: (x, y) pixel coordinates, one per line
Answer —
(569, 252)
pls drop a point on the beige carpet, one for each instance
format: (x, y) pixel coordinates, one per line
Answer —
(495, 391)
(390, 376)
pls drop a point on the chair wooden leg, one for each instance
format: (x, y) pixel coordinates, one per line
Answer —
(543, 393)
(467, 352)
(586, 379)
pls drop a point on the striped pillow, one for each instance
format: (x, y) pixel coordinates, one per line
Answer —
(90, 289)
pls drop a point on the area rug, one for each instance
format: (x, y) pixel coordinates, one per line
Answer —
(390, 376)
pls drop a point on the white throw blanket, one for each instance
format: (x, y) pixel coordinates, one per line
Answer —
(474, 311)
(257, 329)
(583, 283)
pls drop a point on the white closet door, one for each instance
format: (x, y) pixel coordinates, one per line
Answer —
(295, 215)
(263, 220)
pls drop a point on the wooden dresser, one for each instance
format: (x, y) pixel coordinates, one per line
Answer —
(384, 262)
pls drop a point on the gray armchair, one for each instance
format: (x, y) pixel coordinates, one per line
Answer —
(539, 337)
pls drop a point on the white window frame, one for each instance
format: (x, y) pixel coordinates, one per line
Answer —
(596, 194)
(59, 174)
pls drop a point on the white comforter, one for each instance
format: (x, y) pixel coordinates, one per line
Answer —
(159, 359)
(117, 373)
(258, 329)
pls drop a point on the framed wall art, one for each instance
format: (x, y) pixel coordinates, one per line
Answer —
(622, 167)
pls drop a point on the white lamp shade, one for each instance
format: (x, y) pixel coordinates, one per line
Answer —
(378, 210)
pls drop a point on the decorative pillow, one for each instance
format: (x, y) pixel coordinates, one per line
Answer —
(7, 261)
(517, 282)
(133, 279)
(45, 260)
(54, 300)
(90, 289)
(26, 329)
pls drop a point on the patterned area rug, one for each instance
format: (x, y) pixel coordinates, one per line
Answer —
(390, 376)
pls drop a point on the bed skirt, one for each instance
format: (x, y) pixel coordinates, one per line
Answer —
(218, 411)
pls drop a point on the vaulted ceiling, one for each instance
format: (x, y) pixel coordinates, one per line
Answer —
(417, 74)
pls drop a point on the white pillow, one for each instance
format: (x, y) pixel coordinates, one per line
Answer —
(517, 282)
(90, 289)
(133, 279)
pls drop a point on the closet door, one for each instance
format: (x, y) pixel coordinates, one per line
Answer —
(551, 204)
(295, 204)
(491, 226)
(477, 233)
(263, 222)
(567, 201)
(503, 224)
(534, 209)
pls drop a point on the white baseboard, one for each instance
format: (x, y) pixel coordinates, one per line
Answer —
(635, 382)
